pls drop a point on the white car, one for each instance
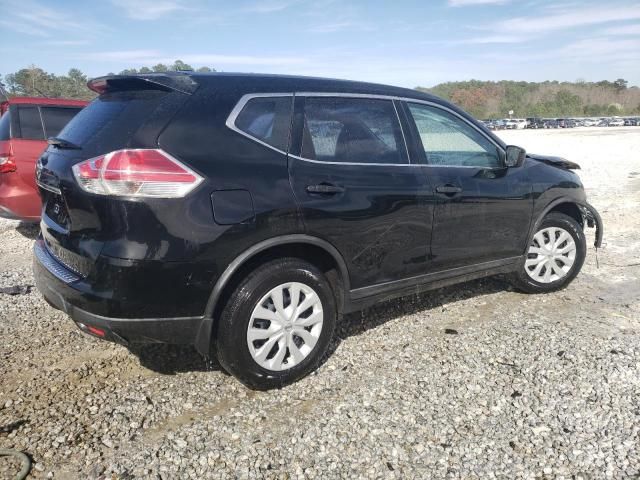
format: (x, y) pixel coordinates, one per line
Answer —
(616, 122)
(591, 122)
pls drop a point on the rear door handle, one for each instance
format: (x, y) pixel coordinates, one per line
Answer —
(325, 189)
(448, 189)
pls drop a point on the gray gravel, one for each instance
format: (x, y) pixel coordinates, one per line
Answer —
(473, 381)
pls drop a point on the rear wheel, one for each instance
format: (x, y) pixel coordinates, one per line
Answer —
(277, 324)
(554, 257)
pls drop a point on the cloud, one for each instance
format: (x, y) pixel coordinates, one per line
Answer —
(466, 3)
(152, 57)
(567, 19)
(493, 39)
(338, 26)
(67, 43)
(36, 19)
(269, 6)
(630, 30)
(148, 9)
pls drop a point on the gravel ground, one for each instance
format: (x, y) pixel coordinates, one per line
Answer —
(472, 381)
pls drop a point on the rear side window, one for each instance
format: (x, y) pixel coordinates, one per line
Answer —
(55, 118)
(5, 126)
(30, 123)
(354, 130)
(267, 119)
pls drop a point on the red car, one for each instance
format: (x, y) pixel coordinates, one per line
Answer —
(25, 125)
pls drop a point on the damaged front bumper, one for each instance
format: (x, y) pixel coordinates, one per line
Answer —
(593, 219)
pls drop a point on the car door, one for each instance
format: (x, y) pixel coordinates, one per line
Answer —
(356, 188)
(483, 209)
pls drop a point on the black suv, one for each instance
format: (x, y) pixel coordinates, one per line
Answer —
(245, 214)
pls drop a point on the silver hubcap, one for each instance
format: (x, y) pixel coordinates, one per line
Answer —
(285, 326)
(551, 255)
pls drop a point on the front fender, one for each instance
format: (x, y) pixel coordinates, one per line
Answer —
(593, 218)
(589, 214)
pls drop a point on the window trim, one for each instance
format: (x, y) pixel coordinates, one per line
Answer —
(235, 112)
(231, 119)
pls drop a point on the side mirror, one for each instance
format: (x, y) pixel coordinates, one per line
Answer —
(514, 156)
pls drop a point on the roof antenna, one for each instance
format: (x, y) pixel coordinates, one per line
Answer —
(3, 93)
(40, 92)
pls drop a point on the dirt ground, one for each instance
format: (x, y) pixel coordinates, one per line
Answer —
(471, 381)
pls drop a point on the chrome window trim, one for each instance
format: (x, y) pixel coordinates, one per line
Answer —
(231, 119)
(357, 163)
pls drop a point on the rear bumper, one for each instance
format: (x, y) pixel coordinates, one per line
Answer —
(56, 283)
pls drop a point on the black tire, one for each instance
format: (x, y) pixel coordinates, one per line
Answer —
(231, 339)
(522, 281)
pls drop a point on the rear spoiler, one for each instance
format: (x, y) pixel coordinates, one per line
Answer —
(170, 81)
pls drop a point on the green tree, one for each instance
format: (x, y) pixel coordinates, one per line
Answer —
(180, 66)
(620, 84)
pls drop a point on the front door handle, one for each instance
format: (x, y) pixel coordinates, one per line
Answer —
(448, 189)
(325, 189)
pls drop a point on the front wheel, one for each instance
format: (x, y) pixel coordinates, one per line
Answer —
(277, 324)
(554, 257)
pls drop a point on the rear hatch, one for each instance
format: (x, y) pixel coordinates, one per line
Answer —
(129, 113)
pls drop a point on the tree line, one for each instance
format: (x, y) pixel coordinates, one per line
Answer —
(33, 81)
(485, 99)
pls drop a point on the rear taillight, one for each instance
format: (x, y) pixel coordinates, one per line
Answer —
(7, 164)
(136, 173)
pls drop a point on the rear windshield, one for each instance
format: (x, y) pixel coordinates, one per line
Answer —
(5, 126)
(55, 119)
(112, 117)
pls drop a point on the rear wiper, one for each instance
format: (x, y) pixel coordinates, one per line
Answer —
(61, 143)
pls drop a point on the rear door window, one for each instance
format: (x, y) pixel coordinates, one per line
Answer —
(30, 123)
(55, 119)
(267, 119)
(352, 130)
(5, 126)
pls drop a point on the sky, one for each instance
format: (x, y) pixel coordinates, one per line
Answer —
(406, 43)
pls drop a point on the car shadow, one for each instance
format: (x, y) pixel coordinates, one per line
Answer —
(28, 230)
(173, 359)
(359, 322)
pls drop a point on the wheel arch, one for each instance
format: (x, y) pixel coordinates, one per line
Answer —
(313, 249)
(567, 205)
